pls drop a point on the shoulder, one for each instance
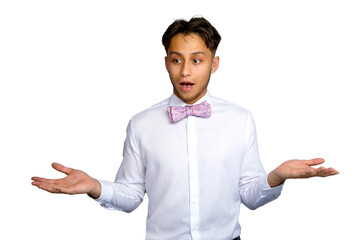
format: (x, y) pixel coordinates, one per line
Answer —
(154, 114)
(223, 106)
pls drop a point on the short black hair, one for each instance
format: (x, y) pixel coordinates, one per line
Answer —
(198, 25)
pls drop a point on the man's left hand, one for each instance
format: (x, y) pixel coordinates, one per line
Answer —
(299, 169)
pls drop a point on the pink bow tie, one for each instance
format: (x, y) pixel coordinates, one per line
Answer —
(176, 113)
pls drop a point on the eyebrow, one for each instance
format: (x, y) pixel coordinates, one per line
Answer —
(194, 53)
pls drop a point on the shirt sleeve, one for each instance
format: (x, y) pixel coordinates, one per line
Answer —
(253, 186)
(127, 192)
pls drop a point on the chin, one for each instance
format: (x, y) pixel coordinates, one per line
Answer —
(189, 99)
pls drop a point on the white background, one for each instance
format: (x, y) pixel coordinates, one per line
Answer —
(74, 72)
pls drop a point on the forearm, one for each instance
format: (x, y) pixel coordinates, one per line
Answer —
(120, 197)
(257, 193)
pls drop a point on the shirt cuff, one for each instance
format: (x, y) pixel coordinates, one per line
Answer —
(267, 190)
(107, 193)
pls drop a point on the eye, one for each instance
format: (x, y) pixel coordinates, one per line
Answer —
(176, 60)
(196, 61)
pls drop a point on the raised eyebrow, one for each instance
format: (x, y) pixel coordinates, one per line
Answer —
(198, 53)
(194, 53)
(175, 53)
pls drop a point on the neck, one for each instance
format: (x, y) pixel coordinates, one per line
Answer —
(191, 100)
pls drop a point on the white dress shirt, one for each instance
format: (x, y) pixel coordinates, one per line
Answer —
(196, 172)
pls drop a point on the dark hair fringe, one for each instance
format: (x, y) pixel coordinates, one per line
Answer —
(198, 25)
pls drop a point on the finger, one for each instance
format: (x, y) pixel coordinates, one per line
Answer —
(39, 179)
(325, 172)
(52, 186)
(61, 168)
(47, 187)
(321, 171)
(63, 189)
(330, 172)
(315, 161)
(43, 180)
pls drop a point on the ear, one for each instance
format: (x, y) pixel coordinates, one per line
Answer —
(215, 64)
(166, 63)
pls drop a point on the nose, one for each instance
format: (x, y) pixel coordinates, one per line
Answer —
(186, 69)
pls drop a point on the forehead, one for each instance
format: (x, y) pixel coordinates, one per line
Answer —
(188, 43)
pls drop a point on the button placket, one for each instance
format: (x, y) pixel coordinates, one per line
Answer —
(193, 179)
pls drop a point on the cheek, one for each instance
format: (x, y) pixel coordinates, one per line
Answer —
(173, 70)
(173, 76)
(204, 72)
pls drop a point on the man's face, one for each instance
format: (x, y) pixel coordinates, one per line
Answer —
(190, 64)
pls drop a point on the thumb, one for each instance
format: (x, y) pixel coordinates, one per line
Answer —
(316, 161)
(61, 168)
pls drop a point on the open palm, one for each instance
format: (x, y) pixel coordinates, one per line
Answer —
(75, 182)
(299, 169)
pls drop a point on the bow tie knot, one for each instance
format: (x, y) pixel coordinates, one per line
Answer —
(189, 110)
(176, 113)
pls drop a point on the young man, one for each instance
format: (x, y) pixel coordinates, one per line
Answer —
(195, 155)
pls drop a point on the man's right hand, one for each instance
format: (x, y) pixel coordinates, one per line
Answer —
(76, 182)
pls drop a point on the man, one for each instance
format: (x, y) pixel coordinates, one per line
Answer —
(195, 155)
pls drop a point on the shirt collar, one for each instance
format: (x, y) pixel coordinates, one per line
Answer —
(175, 101)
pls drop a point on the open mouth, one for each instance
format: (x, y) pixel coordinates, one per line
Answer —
(185, 86)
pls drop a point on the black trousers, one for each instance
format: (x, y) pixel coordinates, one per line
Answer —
(238, 238)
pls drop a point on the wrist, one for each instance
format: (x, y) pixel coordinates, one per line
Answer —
(274, 179)
(95, 191)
